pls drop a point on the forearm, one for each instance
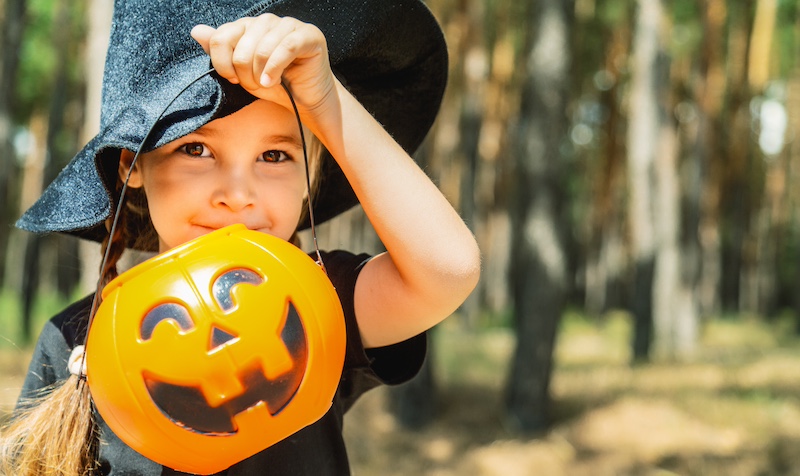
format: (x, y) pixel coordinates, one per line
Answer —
(434, 253)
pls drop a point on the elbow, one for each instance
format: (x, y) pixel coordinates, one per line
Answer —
(473, 269)
(465, 272)
(460, 283)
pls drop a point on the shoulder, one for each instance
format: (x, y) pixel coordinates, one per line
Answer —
(66, 329)
(59, 335)
(73, 321)
(343, 265)
(342, 268)
(367, 368)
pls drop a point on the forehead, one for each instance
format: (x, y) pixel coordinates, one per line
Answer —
(263, 118)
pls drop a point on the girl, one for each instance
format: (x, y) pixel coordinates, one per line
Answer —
(229, 151)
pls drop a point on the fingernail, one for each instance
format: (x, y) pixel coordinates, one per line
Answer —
(266, 81)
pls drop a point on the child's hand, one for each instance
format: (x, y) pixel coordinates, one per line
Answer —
(259, 52)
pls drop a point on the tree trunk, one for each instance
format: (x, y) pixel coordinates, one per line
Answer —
(761, 289)
(793, 263)
(761, 44)
(605, 254)
(538, 275)
(25, 247)
(704, 174)
(46, 169)
(13, 26)
(414, 403)
(98, 31)
(499, 103)
(675, 315)
(643, 135)
(735, 195)
(466, 91)
(30, 284)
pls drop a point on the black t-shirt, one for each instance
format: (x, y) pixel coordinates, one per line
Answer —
(315, 450)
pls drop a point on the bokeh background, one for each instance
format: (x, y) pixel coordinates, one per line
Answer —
(627, 167)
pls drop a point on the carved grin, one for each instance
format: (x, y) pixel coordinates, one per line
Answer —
(187, 407)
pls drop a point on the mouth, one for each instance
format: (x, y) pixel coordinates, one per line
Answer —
(208, 228)
(187, 407)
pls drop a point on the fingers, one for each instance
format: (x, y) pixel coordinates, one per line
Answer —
(301, 43)
(202, 34)
(221, 45)
(255, 52)
(257, 49)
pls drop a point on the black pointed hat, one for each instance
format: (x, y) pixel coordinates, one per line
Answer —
(390, 54)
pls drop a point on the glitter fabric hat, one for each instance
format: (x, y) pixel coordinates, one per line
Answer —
(390, 54)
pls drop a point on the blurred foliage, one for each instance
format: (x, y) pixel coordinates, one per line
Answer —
(41, 52)
(47, 305)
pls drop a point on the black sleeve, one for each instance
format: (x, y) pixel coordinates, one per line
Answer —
(365, 369)
(49, 362)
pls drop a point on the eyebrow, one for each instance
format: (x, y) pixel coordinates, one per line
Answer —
(292, 140)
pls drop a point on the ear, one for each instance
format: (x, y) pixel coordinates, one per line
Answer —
(125, 160)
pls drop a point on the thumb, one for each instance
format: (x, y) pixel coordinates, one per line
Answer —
(202, 34)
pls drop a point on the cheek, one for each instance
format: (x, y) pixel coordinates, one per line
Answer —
(287, 192)
(284, 206)
(163, 199)
(169, 203)
(299, 195)
(168, 186)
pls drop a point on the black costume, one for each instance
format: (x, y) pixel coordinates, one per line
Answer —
(315, 450)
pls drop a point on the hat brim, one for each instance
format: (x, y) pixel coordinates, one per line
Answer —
(390, 55)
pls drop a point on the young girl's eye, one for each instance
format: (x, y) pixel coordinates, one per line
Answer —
(195, 149)
(274, 156)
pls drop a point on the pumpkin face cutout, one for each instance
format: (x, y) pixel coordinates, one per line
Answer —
(207, 354)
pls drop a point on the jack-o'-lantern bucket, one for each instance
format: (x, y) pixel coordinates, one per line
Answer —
(215, 350)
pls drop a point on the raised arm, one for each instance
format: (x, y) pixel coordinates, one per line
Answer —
(432, 261)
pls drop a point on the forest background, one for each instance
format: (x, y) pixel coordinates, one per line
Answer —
(626, 166)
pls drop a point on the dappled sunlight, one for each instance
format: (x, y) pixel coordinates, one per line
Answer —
(713, 415)
(651, 429)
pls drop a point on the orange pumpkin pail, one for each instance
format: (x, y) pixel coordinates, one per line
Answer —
(215, 350)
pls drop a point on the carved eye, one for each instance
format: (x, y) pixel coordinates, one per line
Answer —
(221, 289)
(166, 312)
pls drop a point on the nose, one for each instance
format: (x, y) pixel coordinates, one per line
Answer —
(235, 189)
(220, 337)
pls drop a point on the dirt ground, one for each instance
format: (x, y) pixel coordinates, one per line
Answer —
(733, 410)
(637, 434)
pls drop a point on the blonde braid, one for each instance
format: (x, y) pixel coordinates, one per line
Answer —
(55, 433)
(116, 247)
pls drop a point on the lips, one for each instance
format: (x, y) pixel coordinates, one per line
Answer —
(207, 228)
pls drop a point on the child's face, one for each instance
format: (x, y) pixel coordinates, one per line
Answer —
(244, 168)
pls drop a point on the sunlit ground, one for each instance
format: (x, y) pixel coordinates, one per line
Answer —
(733, 410)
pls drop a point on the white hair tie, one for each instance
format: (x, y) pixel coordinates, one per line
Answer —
(76, 363)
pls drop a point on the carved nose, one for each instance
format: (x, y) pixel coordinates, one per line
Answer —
(220, 337)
